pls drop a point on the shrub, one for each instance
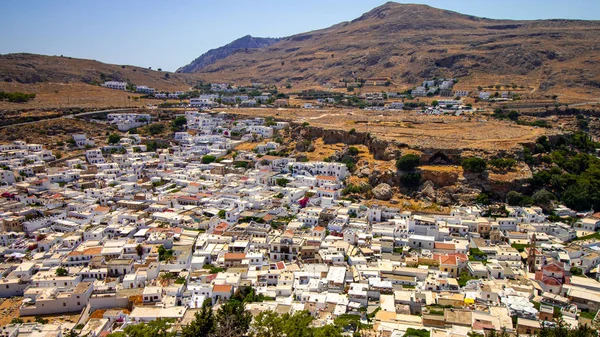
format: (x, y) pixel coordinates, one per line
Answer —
(411, 179)
(408, 162)
(503, 164)
(156, 128)
(543, 198)
(483, 199)
(179, 122)
(282, 182)
(576, 271)
(514, 198)
(209, 158)
(16, 97)
(114, 139)
(474, 165)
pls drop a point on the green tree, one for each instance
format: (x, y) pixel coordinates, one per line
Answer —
(209, 158)
(327, 331)
(513, 115)
(114, 139)
(514, 198)
(435, 103)
(155, 128)
(232, 319)
(483, 199)
(203, 324)
(157, 328)
(282, 182)
(544, 199)
(297, 325)
(267, 324)
(408, 162)
(164, 254)
(474, 165)
(139, 249)
(60, 271)
(222, 213)
(179, 121)
(576, 271)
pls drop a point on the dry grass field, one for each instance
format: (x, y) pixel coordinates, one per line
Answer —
(418, 131)
(77, 94)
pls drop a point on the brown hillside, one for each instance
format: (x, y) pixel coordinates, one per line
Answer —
(31, 69)
(410, 43)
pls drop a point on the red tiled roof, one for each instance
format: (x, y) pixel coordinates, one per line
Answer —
(222, 225)
(447, 259)
(268, 217)
(552, 268)
(174, 230)
(221, 288)
(330, 178)
(442, 245)
(185, 197)
(235, 256)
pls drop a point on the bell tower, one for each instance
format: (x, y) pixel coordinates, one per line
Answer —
(531, 256)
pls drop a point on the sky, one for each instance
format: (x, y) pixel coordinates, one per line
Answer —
(170, 34)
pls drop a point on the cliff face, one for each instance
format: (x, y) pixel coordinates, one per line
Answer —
(440, 169)
(242, 44)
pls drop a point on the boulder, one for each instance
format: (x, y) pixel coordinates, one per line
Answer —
(382, 192)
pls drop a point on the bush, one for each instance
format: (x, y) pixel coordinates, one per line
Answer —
(474, 165)
(576, 271)
(503, 164)
(514, 198)
(16, 97)
(179, 122)
(408, 162)
(209, 158)
(411, 179)
(155, 128)
(543, 198)
(357, 189)
(60, 271)
(353, 151)
(282, 182)
(114, 139)
(482, 199)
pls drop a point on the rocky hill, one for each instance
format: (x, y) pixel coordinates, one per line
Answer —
(242, 44)
(31, 69)
(409, 43)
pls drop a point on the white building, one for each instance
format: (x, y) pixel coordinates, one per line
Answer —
(115, 85)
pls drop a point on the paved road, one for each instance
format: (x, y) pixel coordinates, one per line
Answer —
(68, 116)
(585, 103)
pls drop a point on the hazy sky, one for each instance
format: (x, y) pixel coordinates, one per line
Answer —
(169, 34)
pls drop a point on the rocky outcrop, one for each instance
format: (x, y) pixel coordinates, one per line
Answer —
(446, 184)
(382, 192)
(440, 177)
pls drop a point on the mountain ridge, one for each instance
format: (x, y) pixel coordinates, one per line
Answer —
(409, 43)
(213, 55)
